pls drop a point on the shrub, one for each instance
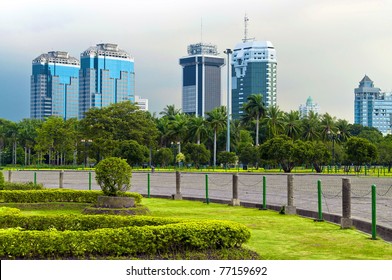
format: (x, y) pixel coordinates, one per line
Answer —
(21, 186)
(128, 241)
(1, 179)
(113, 175)
(9, 211)
(57, 195)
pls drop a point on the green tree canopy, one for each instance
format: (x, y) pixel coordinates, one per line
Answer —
(196, 154)
(360, 151)
(119, 122)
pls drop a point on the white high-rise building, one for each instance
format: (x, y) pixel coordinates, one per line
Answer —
(253, 72)
(310, 106)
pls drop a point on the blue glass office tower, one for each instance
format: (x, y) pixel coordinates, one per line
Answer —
(201, 79)
(253, 72)
(372, 107)
(55, 86)
(106, 76)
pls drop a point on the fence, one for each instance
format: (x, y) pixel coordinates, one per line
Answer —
(271, 191)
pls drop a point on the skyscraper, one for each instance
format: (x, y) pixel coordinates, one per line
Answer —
(201, 79)
(54, 86)
(365, 96)
(106, 76)
(253, 72)
(372, 107)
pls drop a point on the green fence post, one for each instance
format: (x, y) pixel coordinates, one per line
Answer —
(365, 171)
(35, 178)
(320, 210)
(374, 224)
(207, 198)
(264, 193)
(89, 180)
(148, 185)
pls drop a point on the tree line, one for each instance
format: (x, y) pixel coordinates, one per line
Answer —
(263, 136)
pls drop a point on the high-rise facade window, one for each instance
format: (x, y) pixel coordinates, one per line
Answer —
(201, 79)
(254, 69)
(106, 76)
(54, 86)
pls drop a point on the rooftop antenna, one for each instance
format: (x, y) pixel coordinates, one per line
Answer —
(246, 19)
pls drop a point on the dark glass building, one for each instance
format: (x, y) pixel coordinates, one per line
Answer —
(201, 79)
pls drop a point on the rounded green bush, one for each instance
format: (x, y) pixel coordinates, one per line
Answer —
(113, 175)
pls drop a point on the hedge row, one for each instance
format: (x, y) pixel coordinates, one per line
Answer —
(127, 241)
(57, 195)
(21, 186)
(80, 222)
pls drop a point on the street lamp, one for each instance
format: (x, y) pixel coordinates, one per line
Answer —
(228, 52)
(333, 136)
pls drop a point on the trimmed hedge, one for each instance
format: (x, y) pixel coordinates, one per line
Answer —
(172, 236)
(57, 195)
(80, 222)
(9, 211)
(21, 186)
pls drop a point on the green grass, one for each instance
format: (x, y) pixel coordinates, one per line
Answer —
(281, 237)
(274, 236)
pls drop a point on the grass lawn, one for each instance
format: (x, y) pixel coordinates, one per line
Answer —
(274, 236)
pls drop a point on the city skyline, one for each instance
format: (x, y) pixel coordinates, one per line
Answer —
(323, 47)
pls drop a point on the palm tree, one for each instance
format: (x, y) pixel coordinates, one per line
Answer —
(197, 129)
(274, 121)
(310, 127)
(327, 125)
(170, 111)
(217, 120)
(344, 130)
(292, 124)
(254, 109)
(178, 128)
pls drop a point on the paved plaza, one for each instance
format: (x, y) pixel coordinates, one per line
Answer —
(250, 189)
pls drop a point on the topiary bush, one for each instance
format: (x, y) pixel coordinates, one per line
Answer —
(113, 175)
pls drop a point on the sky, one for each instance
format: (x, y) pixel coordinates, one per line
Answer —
(323, 47)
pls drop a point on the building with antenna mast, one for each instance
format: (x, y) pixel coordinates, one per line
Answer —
(254, 69)
(201, 79)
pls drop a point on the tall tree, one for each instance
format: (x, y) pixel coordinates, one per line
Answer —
(344, 130)
(170, 111)
(178, 128)
(197, 129)
(292, 124)
(254, 108)
(310, 127)
(217, 121)
(274, 121)
(28, 133)
(109, 126)
(327, 126)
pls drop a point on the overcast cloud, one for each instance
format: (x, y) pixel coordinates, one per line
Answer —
(324, 48)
